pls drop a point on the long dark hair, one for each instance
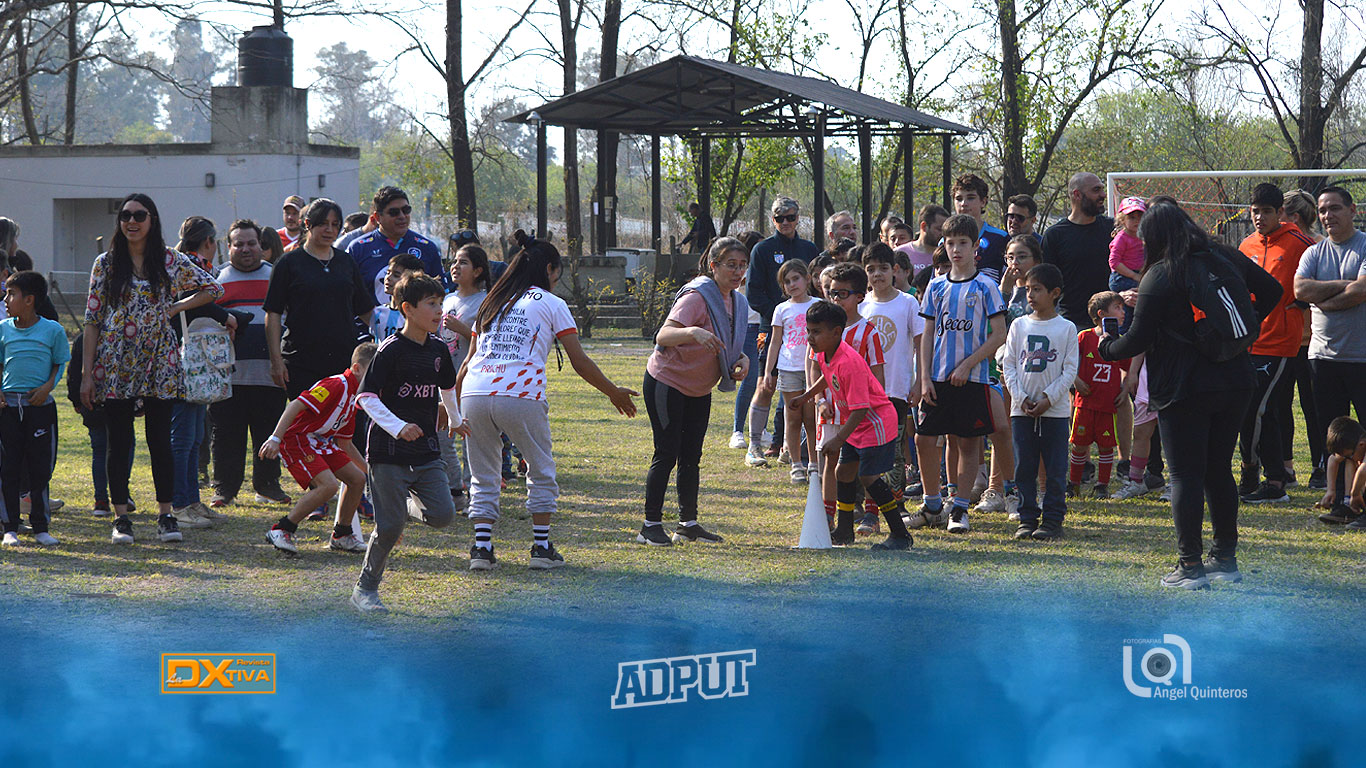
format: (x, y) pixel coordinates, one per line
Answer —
(530, 268)
(479, 259)
(1169, 235)
(119, 262)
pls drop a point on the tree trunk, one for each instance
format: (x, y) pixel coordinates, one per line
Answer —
(572, 221)
(1312, 114)
(21, 75)
(1014, 180)
(73, 68)
(462, 160)
(607, 147)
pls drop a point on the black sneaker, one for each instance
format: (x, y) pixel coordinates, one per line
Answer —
(482, 559)
(1251, 477)
(1222, 569)
(1100, 491)
(1049, 529)
(1318, 480)
(1266, 493)
(838, 539)
(545, 558)
(123, 530)
(695, 533)
(1088, 473)
(1358, 524)
(894, 543)
(272, 494)
(168, 529)
(1073, 489)
(1026, 529)
(1290, 481)
(653, 535)
(1154, 482)
(1339, 514)
(1122, 468)
(1186, 577)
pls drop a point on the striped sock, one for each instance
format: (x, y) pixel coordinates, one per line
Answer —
(1137, 465)
(830, 511)
(540, 534)
(1076, 462)
(961, 502)
(1106, 461)
(483, 535)
(934, 503)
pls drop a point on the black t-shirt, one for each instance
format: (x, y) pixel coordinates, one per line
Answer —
(1082, 253)
(320, 302)
(408, 378)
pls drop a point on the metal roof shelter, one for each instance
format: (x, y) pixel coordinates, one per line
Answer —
(703, 99)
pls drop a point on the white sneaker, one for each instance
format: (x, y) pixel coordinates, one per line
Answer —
(11, 539)
(283, 540)
(992, 501)
(367, 601)
(737, 441)
(784, 457)
(798, 474)
(1130, 490)
(1013, 506)
(189, 517)
(45, 538)
(54, 504)
(348, 543)
(1166, 496)
(754, 457)
(122, 532)
(207, 512)
(958, 520)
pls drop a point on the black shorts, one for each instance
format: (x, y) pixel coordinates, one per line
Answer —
(872, 461)
(960, 411)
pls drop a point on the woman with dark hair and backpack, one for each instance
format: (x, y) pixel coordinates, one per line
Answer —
(1200, 399)
(130, 352)
(502, 390)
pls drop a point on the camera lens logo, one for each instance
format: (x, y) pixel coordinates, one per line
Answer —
(1158, 665)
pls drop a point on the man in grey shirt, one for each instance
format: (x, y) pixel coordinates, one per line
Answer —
(1332, 278)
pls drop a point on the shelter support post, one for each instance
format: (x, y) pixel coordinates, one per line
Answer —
(865, 151)
(908, 177)
(818, 179)
(704, 185)
(656, 206)
(947, 169)
(542, 216)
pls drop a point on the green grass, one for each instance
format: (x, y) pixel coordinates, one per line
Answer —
(1114, 551)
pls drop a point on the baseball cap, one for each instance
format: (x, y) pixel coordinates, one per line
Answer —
(295, 201)
(1130, 204)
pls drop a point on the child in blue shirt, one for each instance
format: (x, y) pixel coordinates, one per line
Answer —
(33, 352)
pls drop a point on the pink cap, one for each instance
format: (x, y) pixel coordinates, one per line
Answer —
(1131, 204)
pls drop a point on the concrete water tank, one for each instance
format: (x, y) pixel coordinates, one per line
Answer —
(265, 56)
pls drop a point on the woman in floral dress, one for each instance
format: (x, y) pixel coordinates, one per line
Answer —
(131, 353)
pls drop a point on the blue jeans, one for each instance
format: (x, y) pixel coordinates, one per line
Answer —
(187, 434)
(1036, 439)
(1118, 284)
(745, 392)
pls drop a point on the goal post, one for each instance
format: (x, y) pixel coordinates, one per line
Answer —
(1218, 200)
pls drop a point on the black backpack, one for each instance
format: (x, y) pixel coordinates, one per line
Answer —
(1226, 324)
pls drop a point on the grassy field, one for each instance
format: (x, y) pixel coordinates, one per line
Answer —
(1114, 551)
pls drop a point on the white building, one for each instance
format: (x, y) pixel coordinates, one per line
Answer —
(65, 198)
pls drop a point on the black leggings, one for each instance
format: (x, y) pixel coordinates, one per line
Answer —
(1302, 378)
(157, 431)
(680, 426)
(1200, 434)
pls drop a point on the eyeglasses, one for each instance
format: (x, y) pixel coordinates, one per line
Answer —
(788, 218)
(734, 266)
(138, 216)
(1015, 217)
(404, 211)
(839, 294)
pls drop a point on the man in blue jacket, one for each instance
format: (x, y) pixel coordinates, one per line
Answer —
(763, 291)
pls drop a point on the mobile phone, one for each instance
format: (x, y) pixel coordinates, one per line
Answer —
(1109, 326)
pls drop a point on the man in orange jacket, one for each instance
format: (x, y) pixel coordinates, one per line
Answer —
(1276, 246)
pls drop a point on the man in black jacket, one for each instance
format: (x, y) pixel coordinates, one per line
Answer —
(763, 292)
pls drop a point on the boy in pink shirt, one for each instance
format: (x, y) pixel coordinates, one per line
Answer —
(866, 441)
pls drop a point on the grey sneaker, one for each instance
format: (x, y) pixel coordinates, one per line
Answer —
(348, 543)
(45, 538)
(189, 517)
(367, 601)
(1186, 577)
(924, 518)
(1222, 569)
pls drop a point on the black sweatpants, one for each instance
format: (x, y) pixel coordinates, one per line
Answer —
(28, 440)
(1259, 440)
(1200, 434)
(1302, 378)
(680, 427)
(1338, 388)
(253, 408)
(157, 433)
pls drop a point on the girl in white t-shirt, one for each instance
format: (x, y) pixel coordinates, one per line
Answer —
(785, 366)
(470, 273)
(502, 390)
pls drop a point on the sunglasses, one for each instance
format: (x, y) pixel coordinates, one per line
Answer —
(404, 211)
(1015, 216)
(788, 218)
(138, 216)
